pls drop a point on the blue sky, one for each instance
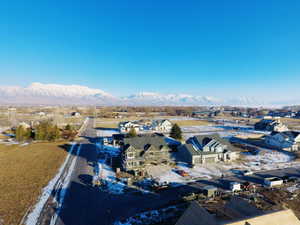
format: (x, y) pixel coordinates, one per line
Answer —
(213, 48)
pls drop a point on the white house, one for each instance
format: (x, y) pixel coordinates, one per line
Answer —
(162, 125)
(287, 140)
(128, 125)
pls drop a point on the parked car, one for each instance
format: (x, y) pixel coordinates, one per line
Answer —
(247, 186)
(246, 172)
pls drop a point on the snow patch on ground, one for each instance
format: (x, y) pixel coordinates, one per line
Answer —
(293, 188)
(105, 172)
(63, 186)
(152, 216)
(108, 177)
(106, 132)
(108, 149)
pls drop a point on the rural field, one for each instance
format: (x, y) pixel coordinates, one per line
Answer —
(24, 171)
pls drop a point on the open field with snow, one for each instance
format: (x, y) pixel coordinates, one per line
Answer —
(264, 159)
(227, 130)
(24, 171)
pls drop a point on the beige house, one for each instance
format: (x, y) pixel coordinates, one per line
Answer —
(162, 125)
(207, 149)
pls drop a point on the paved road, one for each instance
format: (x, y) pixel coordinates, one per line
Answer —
(86, 205)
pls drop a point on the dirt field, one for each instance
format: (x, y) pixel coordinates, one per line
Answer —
(24, 171)
(191, 122)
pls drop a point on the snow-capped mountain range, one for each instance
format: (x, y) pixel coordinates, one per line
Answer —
(52, 94)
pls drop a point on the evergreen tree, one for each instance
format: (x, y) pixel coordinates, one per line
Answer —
(132, 133)
(176, 132)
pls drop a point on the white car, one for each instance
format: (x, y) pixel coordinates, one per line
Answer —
(246, 172)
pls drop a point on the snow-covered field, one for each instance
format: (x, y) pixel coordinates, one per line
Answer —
(226, 130)
(265, 159)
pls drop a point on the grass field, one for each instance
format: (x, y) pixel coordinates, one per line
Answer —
(24, 171)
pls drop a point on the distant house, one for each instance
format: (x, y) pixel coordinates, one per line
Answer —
(41, 114)
(201, 114)
(126, 126)
(139, 151)
(207, 149)
(162, 125)
(268, 124)
(24, 125)
(75, 114)
(287, 140)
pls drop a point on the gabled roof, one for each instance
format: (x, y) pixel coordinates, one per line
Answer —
(160, 121)
(141, 142)
(196, 215)
(286, 217)
(191, 148)
(200, 138)
(288, 134)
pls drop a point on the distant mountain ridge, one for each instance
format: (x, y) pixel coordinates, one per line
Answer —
(53, 94)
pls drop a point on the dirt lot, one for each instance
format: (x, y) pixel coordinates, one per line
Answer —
(191, 122)
(24, 171)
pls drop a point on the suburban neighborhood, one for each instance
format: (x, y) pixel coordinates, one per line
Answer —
(150, 112)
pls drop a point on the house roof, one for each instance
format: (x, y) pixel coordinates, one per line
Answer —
(289, 134)
(196, 215)
(286, 217)
(240, 208)
(194, 151)
(160, 121)
(139, 142)
(200, 138)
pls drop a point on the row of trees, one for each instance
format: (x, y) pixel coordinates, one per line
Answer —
(45, 131)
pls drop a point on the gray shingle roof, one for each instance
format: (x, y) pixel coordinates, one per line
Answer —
(140, 142)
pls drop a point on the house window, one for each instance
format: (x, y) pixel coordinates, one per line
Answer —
(130, 155)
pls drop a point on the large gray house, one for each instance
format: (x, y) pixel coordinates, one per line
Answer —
(207, 149)
(139, 151)
(269, 124)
